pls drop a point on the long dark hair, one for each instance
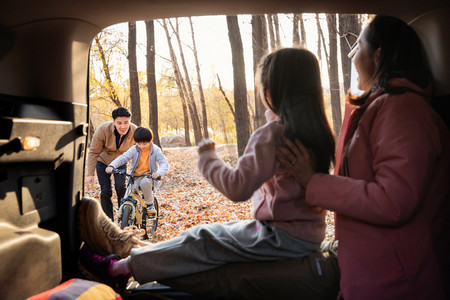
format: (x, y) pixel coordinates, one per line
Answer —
(401, 54)
(292, 77)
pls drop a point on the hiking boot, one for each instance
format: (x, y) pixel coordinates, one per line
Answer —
(98, 268)
(101, 234)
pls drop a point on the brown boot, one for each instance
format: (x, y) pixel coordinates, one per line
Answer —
(101, 234)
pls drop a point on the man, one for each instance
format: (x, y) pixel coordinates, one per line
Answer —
(110, 140)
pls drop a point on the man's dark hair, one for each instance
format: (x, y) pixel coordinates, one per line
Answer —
(142, 135)
(120, 112)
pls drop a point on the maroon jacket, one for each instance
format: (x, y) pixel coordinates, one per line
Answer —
(391, 198)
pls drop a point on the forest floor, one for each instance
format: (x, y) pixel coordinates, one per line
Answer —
(186, 199)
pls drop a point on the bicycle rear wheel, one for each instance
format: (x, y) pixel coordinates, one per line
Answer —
(126, 212)
(151, 220)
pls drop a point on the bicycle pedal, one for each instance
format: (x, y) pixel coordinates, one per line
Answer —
(151, 209)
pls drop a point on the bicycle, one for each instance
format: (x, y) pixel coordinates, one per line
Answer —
(133, 209)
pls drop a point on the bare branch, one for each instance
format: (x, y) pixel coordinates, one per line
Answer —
(225, 96)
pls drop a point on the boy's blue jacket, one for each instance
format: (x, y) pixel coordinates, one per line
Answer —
(134, 154)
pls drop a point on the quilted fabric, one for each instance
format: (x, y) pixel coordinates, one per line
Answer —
(78, 289)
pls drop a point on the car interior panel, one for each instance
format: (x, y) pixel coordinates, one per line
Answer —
(44, 92)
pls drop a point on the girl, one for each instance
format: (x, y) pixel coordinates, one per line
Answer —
(284, 226)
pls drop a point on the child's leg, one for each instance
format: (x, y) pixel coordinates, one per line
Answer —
(110, 270)
(206, 247)
(145, 184)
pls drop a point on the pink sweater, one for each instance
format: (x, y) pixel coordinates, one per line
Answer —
(258, 175)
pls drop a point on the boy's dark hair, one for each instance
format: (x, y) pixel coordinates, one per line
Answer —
(120, 112)
(142, 135)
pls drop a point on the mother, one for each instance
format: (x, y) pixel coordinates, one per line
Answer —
(391, 195)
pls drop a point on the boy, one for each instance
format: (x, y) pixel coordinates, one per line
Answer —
(145, 158)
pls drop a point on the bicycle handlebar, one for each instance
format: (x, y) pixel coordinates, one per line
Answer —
(124, 172)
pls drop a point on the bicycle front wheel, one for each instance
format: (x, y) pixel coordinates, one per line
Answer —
(151, 220)
(126, 212)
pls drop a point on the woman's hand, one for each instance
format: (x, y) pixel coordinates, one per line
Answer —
(298, 161)
(109, 170)
(206, 145)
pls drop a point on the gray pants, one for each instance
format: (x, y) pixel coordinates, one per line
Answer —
(145, 185)
(209, 246)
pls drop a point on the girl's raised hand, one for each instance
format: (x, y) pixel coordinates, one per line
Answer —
(298, 161)
(206, 145)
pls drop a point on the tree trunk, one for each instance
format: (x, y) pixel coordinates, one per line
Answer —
(273, 44)
(111, 90)
(349, 30)
(324, 43)
(251, 116)
(321, 41)
(295, 31)
(240, 86)
(176, 71)
(259, 45)
(303, 32)
(200, 86)
(333, 74)
(319, 34)
(224, 131)
(276, 25)
(151, 81)
(188, 88)
(135, 101)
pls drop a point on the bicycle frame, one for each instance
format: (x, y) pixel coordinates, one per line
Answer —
(131, 198)
(137, 206)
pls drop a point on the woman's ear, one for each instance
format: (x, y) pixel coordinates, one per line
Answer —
(267, 94)
(265, 97)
